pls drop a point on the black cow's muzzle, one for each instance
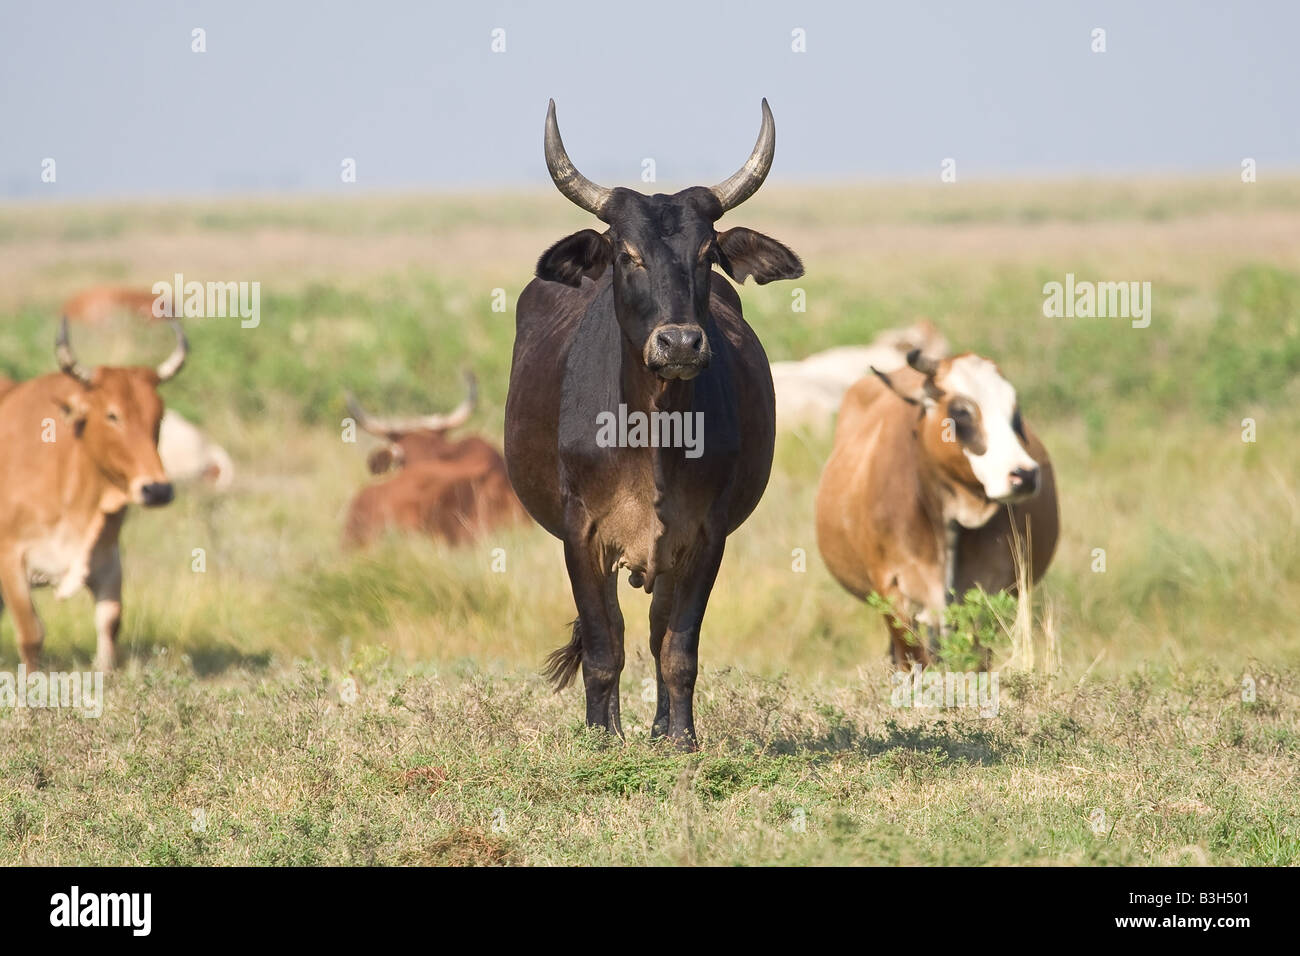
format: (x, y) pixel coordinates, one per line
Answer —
(677, 352)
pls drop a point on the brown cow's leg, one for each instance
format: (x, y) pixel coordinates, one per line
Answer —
(680, 652)
(661, 605)
(18, 598)
(898, 644)
(602, 648)
(908, 646)
(106, 584)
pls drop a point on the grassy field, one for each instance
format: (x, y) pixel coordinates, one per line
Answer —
(1137, 748)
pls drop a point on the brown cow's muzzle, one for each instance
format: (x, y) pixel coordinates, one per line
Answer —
(156, 493)
(677, 352)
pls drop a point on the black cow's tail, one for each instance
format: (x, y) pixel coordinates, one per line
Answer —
(562, 663)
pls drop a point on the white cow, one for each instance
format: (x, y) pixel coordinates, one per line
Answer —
(809, 391)
(188, 455)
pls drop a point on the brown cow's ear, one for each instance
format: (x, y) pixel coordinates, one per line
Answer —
(746, 253)
(74, 412)
(586, 253)
(380, 460)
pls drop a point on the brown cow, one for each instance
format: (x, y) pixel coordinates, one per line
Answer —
(453, 490)
(79, 446)
(931, 468)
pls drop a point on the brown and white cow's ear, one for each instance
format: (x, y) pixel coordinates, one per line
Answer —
(745, 253)
(915, 390)
(928, 366)
(586, 253)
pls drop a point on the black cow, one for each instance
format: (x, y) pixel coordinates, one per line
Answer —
(636, 320)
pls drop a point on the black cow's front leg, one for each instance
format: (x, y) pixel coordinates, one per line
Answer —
(661, 606)
(680, 651)
(601, 636)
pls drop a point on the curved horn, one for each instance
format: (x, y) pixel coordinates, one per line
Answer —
(576, 187)
(67, 358)
(172, 364)
(745, 181)
(384, 427)
(924, 364)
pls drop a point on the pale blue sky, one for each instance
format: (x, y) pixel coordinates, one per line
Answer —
(286, 90)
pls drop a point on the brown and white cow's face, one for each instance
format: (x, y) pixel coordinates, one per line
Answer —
(116, 420)
(982, 416)
(970, 425)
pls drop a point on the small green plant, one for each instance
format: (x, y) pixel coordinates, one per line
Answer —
(978, 625)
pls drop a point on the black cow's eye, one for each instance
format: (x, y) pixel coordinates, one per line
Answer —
(1017, 425)
(112, 417)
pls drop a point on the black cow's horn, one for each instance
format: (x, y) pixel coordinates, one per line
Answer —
(68, 363)
(580, 190)
(172, 364)
(746, 180)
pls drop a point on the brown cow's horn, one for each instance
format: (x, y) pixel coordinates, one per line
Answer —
(580, 190)
(746, 180)
(172, 364)
(383, 427)
(67, 358)
(355, 410)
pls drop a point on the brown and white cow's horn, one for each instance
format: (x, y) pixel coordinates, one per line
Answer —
(924, 364)
(745, 181)
(580, 190)
(384, 427)
(172, 364)
(67, 358)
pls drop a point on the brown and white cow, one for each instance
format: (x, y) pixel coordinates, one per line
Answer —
(79, 446)
(456, 490)
(932, 476)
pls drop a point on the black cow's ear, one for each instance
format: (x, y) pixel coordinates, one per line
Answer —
(748, 253)
(585, 253)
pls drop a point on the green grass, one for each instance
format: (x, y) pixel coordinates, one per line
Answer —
(453, 765)
(228, 699)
